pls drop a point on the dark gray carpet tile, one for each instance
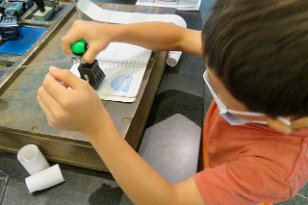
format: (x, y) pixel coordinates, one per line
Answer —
(172, 147)
(125, 200)
(81, 186)
(192, 18)
(171, 102)
(106, 194)
(188, 65)
(297, 200)
(3, 182)
(191, 65)
(173, 70)
(304, 191)
(184, 83)
(10, 165)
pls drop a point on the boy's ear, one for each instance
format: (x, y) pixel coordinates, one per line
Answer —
(278, 125)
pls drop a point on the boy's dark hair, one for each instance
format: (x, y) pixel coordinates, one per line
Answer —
(259, 49)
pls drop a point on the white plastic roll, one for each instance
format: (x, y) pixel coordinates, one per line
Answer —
(45, 179)
(173, 58)
(32, 159)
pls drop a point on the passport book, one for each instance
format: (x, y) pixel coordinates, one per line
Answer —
(124, 66)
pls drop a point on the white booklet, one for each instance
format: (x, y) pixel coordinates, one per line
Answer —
(124, 66)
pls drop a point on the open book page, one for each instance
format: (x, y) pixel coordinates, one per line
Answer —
(124, 53)
(124, 66)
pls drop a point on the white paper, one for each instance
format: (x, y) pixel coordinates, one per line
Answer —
(185, 5)
(120, 17)
(104, 15)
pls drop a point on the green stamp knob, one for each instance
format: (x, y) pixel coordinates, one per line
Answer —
(79, 47)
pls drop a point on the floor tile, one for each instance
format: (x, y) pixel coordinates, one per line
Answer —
(172, 147)
(304, 191)
(184, 83)
(172, 102)
(297, 200)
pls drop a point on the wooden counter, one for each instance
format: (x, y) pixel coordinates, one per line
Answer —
(22, 121)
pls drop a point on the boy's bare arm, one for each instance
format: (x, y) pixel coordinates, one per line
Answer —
(161, 36)
(152, 35)
(64, 109)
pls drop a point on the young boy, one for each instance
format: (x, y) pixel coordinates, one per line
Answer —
(255, 133)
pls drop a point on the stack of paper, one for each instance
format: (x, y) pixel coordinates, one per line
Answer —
(185, 5)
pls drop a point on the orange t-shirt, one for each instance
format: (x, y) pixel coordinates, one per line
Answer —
(250, 164)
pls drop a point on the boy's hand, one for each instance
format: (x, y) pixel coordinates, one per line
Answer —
(70, 103)
(95, 34)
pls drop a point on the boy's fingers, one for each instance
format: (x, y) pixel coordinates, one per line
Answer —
(54, 88)
(66, 77)
(49, 115)
(91, 53)
(66, 42)
(46, 102)
(44, 108)
(71, 37)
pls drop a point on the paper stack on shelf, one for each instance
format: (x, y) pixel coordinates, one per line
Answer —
(185, 5)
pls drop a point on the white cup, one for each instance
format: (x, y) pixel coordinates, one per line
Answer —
(32, 159)
(45, 179)
(173, 58)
